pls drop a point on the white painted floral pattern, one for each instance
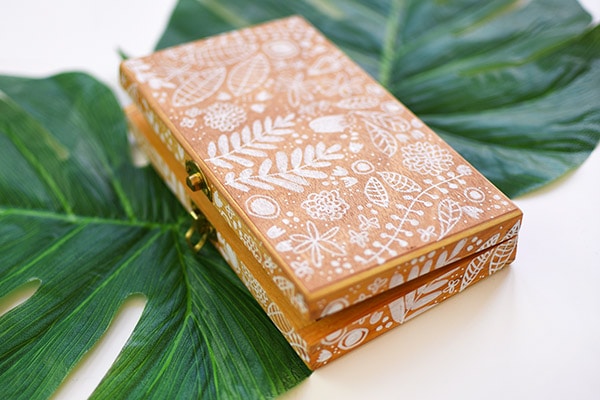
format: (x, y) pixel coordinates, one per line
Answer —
(330, 169)
(291, 172)
(325, 205)
(361, 238)
(224, 117)
(426, 158)
(317, 244)
(251, 143)
(368, 222)
(302, 269)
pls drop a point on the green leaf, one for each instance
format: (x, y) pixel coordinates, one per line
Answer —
(512, 85)
(77, 216)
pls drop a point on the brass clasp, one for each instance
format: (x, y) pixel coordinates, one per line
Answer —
(200, 227)
(196, 180)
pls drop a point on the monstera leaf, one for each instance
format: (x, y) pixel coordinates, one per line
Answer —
(77, 217)
(512, 85)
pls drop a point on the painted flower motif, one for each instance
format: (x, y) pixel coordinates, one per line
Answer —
(317, 243)
(193, 112)
(326, 205)
(451, 288)
(377, 285)
(426, 158)
(474, 194)
(224, 117)
(360, 238)
(367, 223)
(464, 170)
(187, 122)
(302, 269)
(298, 90)
(473, 212)
(341, 85)
(269, 263)
(427, 234)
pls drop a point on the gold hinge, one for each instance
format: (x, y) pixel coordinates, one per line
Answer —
(201, 228)
(196, 180)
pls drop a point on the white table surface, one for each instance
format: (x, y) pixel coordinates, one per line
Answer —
(531, 331)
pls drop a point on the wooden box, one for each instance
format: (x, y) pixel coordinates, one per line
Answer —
(343, 213)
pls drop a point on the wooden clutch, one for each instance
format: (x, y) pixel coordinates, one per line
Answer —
(341, 211)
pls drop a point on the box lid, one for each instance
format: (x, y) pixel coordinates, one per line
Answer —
(337, 189)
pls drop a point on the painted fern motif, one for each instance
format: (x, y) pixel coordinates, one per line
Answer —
(443, 259)
(427, 293)
(418, 301)
(449, 213)
(252, 141)
(291, 171)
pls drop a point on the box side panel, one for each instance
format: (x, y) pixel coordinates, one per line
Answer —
(419, 266)
(335, 343)
(279, 315)
(136, 123)
(321, 342)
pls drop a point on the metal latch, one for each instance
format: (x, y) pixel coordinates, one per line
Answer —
(196, 180)
(200, 228)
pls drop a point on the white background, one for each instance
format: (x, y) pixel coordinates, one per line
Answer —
(531, 331)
